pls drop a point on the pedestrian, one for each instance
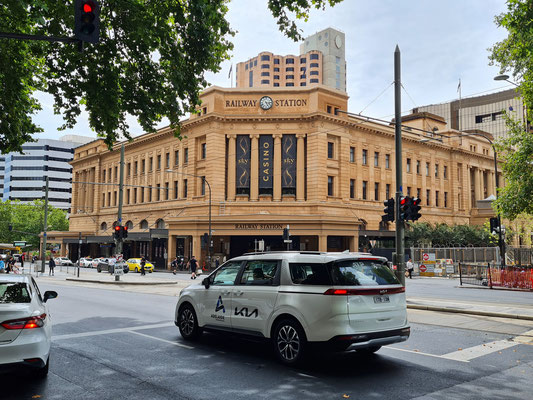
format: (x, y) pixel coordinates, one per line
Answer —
(193, 266)
(2, 265)
(10, 264)
(410, 268)
(22, 263)
(217, 262)
(174, 265)
(143, 263)
(51, 266)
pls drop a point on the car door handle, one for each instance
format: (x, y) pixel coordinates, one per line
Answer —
(226, 292)
(238, 293)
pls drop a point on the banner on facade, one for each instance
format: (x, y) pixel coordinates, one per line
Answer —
(288, 161)
(243, 162)
(266, 158)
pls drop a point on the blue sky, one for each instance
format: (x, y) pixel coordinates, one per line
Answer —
(440, 42)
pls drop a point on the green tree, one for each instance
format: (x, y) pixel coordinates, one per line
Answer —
(515, 54)
(149, 63)
(443, 235)
(28, 217)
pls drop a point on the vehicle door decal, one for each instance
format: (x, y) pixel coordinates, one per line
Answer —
(244, 312)
(220, 305)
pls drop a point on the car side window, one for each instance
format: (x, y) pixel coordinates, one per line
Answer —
(36, 289)
(226, 274)
(259, 272)
(309, 274)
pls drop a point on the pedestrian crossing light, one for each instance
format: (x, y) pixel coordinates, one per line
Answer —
(87, 20)
(414, 209)
(124, 232)
(388, 210)
(494, 226)
(116, 233)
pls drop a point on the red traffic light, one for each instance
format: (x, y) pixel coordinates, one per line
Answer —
(88, 7)
(125, 227)
(117, 228)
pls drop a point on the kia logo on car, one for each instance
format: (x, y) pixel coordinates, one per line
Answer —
(383, 291)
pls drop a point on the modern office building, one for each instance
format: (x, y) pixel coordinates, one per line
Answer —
(23, 175)
(480, 112)
(256, 160)
(321, 61)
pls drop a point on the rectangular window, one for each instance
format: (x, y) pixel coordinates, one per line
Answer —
(158, 195)
(330, 150)
(352, 188)
(166, 191)
(387, 191)
(150, 194)
(365, 183)
(376, 191)
(116, 174)
(265, 73)
(376, 159)
(387, 161)
(276, 76)
(251, 78)
(142, 194)
(313, 56)
(114, 198)
(276, 60)
(302, 60)
(365, 154)
(150, 164)
(186, 156)
(203, 186)
(313, 73)
(408, 165)
(289, 61)
(289, 69)
(314, 81)
(176, 157)
(103, 199)
(185, 188)
(103, 175)
(427, 169)
(436, 198)
(134, 195)
(167, 160)
(409, 191)
(436, 170)
(127, 196)
(265, 81)
(418, 167)
(135, 170)
(289, 84)
(143, 163)
(330, 186)
(265, 66)
(418, 192)
(428, 194)
(159, 161)
(175, 189)
(265, 57)
(276, 69)
(445, 172)
(204, 150)
(445, 199)
(128, 170)
(328, 109)
(352, 154)
(276, 84)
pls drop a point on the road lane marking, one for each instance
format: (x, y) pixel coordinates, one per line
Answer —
(421, 353)
(108, 331)
(479, 351)
(525, 338)
(163, 340)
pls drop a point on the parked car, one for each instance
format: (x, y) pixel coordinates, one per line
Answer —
(85, 262)
(25, 325)
(106, 266)
(134, 264)
(342, 301)
(95, 261)
(63, 261)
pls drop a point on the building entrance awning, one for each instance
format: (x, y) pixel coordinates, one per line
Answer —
(100, 239)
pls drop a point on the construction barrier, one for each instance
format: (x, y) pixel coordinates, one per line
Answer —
(492, 275)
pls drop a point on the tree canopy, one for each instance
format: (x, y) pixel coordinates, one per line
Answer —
(443, 235)
(149, 63)
(515, 54)
(28, 217)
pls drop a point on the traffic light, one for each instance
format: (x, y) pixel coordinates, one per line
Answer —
(205, 241)
(10, 227)
(414, 207)
(286, 234)
(404, 208)
(87, 20)
(388, 210)
(124, 232)
(116, 233)
(494, 226)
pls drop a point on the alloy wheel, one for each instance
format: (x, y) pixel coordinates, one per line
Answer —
(187, 322)
(288, 342)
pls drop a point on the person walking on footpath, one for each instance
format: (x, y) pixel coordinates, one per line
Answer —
(193, 266)
(174, 265)
(2, 266)
(410, 267)
(143, 263)
(51, 266)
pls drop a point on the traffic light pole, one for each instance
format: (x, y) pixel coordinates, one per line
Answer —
(400, 232)
(45, 225)
(120, 241)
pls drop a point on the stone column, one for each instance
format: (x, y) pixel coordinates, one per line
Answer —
(323, 242)
(92, 190)
(196, 247)
(171, 253)
(74, 198)
(254, 168)
(231, 167)
(277, 167)
(300, 167)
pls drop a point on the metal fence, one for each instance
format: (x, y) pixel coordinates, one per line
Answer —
(494, 275)
(474, 255)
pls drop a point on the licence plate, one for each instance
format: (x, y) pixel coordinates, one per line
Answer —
(381, 299)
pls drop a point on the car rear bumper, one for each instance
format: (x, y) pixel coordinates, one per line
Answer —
(27, 346)
(366, 340)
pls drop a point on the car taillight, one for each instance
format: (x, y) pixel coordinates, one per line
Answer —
(363, 292)
(25, 323)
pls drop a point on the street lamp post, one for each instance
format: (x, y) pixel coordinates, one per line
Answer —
(210, 240)
(501, 243)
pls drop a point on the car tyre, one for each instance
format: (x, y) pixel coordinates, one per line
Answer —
(150, 271)
(188, 323)
(98, 269)
(41, 373)
(136, 270)
(289, 342)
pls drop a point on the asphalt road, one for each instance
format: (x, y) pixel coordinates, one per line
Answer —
(112, 344)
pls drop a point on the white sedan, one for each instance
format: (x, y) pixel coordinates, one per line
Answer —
(63, 261)
(25, 325)
(86, 262)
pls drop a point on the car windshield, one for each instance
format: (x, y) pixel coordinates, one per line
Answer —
(14, 292)
(343, 273)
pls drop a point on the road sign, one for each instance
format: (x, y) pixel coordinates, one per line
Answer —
(423, 268)
(19, 244)
(425, 256)
(287, 241)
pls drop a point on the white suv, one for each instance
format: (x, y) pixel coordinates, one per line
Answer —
(341, 301)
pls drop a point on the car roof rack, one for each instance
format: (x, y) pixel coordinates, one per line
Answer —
(317, 253)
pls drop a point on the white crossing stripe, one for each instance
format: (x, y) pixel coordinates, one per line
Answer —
(163, 340)
(419, 352)
(525, 338)
(108, 331)
(478, 351)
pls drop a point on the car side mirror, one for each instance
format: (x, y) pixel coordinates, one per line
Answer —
(49, 294)
(205, 282)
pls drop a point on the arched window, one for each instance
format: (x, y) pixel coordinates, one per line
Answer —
(129, 224)
(144, 224)
(160, 224)
(115, 223)
(103, 226)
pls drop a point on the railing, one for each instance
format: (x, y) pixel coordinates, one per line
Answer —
(493, 275)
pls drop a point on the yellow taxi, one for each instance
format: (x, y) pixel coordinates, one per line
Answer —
(134, 264)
